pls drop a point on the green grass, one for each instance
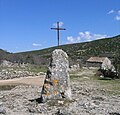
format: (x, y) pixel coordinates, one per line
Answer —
(111, 87)
(6, 87)
(72, 77)
(38, 69)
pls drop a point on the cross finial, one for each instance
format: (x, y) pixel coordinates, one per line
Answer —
(58, 32)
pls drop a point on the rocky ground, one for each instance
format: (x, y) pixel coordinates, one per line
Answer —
(11, 71)
(90, 96)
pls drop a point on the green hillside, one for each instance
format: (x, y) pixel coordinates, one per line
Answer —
(3, 54)
(103, 47)
(107, 46)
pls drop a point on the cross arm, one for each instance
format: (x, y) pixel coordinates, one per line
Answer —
(58, 28)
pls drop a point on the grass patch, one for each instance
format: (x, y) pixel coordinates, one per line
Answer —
(74, 77)
(111, 87)
(107, 83)
(6, 87)
(38, 69)
(114, 84)
(113, 92)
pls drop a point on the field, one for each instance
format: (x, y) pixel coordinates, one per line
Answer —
(90, 96)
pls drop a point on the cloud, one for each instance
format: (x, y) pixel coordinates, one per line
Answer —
(60, 24)
(111, 12)
(116, 14)
(85, 37)
(36, 45)
(71, 39)
(117, 17)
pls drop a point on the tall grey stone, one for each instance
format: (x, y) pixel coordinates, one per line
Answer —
(57, 81)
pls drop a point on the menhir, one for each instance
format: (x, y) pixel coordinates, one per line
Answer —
(57, 81)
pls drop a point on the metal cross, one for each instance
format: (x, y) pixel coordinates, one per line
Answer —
(58, 32)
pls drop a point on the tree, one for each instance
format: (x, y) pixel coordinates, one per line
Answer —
(117, 62)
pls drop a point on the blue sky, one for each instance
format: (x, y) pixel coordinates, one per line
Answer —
(25, 24)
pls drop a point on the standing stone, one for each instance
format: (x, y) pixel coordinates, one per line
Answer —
(57, 81)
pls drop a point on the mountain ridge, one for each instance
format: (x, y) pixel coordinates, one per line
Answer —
(102, 47)
(85, 48)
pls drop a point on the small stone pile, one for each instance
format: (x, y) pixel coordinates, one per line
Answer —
(9, 70)
(8, 74)
(57, 81)
(74, 68)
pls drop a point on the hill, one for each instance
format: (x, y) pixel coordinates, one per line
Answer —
(102, 47)
(3, 54)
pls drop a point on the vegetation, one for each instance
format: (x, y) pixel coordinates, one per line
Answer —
(6, 87)
(117, 61)
(103, 47)
(37, 69)
(3, 54)
(108, 86)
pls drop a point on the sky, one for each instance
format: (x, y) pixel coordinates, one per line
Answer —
(25, 24)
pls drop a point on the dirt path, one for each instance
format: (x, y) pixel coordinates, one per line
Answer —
(37, 80)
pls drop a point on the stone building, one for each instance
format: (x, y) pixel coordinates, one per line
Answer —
(98, 62)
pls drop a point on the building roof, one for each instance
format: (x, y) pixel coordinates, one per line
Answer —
(96, 59)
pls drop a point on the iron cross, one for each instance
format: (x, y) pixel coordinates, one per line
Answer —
(58, 32)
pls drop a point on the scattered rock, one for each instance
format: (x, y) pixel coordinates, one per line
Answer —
(5, 63)
(2, 110)
(98, 98)
(89, 98)
(9, 70)
(74, 68)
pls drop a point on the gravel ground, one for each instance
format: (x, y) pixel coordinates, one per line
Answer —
(89, 97)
